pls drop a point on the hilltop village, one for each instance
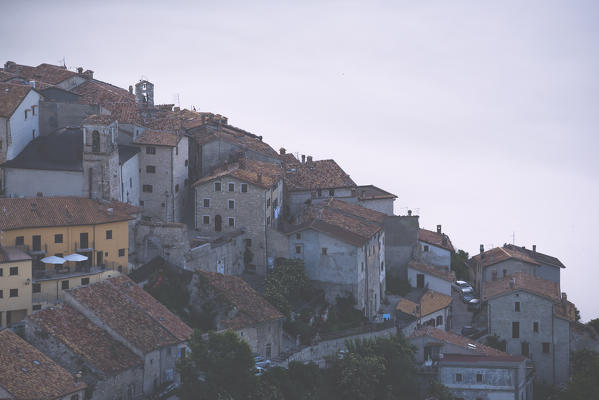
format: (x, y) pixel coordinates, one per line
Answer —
(126, 224)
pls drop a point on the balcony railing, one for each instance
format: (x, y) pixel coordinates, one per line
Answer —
(67, 272)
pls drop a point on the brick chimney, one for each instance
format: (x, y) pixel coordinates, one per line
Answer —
(282, 151)
(303, 158)
(10, 66)
(80, 70)
(89, 74)
(564, 297)
(131, 89)
(409, 213)
(309, 161)
(438, 228)
(534, 248)
(482, 248)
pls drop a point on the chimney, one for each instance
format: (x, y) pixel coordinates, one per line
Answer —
(309, 161)
(131, 89)
(177, 109)
(512, 283)
(260, 138)
(534, 248)
(80, 70)
(89, 74)
(78, 376)
(409, 213)
(259, 177)
(282, 151)
(444, 240)
(482, 248)
(564, 297)
(303, 158)
(10, 66)
(438, 228)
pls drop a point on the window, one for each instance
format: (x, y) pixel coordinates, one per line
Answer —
(545, 347)
(14, 271)
(479, 378)
(206, 203)
(267, 202)
(206, 220)
(64, 285)
(36, 307)
(141, 203)
(324, 251)
(14, 293)
(517, 306)
(217, 186)
(319, 192)
(425, 248)
(232, 222)
(458, 377)
(535, 327)
(177, 188)
(130, 182)
(58, 238)
(95, 142)
(150, 150)
(515, 330)
(331, 192)
(150, 169)
(33, 133)
(109, 234)
(524, 349)
(504, 273)
(382, 266)
(85, 281)
(362, 267)
(298, 236)
(268, 221)
(420, 281)
(231, 187)
(36, 288)
(439, 320)
(298, 249)
(1, 272)
(121, 252)
(26, 111)
(32, 110)
(1, 294)
(177, 150)
(147, 188)
(231, 204)
(244, 188)
(186, 163)
(36, 242)
(20, 241)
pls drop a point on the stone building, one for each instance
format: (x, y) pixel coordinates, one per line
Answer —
(401, 243)
(27, 373)
(502, 261)
(240, 308)
(435, 248)
(343, 249)
(222, 253)
(164, 179)
(101, 157)
(423, 307)
(422, 275)
(247, 194)
(15, 285)
(107, 366)
(135, 319)
(471, 370)
(531, 316)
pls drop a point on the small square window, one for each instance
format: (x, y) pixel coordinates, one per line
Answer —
(458, 377)
(14, 293)
(298, 236)
(150, 150)
(206, 203)
(479, 378)
(150, 169)
(231, 204)
(85, 281)
(231, 187)
(36, 307)
(324, 251)
(206, 220)
(64, 285)
(14, 271)
(177, 188)
(244, 188)
(425, 248)
(217, 186)
(248, 242)
(517, 306)
(535, 327)
(109, 234)
(298, 249)
(147, 188)
(58, 238)
(20, 241)
(546, 347)
(121, 252)
(331, 192)
(1, 294)
(232, 222)
(36, 288)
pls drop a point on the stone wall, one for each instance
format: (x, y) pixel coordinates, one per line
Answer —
(226, 255)
(401, 242)
(55, 115)
(168, 240)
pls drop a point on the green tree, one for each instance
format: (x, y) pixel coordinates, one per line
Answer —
(496, 343)
(358, 376)
(439, 391)
(220, 366)
(584, 383)
(287, 285)
(459, 265)
(595, 324)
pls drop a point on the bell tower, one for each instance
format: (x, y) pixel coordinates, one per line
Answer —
(101, 157)
(144, 93)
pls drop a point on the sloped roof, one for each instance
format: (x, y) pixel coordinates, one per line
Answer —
(99, 119)
(47, 73)
(497, 255)
(252, 309)
(442, 273)
(27, 373)
(18, 213)
(371, 192)
(429, 303)
(166, 117)
(12, 254)
(11, 96)
(347, 222)
(320, 174)
(119, 101)
(85, 339)
(436, 239)
(458, 340)
(158, 138)
(137, 318)
(539, 257)
(522, 281)
(260, 173)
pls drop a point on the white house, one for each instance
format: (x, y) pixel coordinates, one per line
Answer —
(435, 248)
(427, 276)
(423, 308)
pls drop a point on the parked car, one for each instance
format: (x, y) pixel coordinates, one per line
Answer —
(459, 286)
(474, 305)
(168, 391)
(469, 331)
(467, 295)
(259, 371)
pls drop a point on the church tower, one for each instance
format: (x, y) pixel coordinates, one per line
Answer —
(144, 93)
(101, 157)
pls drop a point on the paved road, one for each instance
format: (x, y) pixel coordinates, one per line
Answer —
(460, 314)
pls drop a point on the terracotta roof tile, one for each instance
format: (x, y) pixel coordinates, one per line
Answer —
(320, 174)
(430, 302)
(85, 339)
(263, 174)
(119, 101)
(125, 314)
(435, 238)
(47, 73)
(478, 358)
(11, 96)
(458, 340)
(371, 192)
(158, 138)
(252, 309)
(26, 373)
(164, 117)
(17, 213)
(99, 119)
(539, 257)
(497, 255)
(521, 281)
(442, 273)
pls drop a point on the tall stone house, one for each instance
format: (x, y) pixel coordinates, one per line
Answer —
(435, 247)
(247, 194)
(164, 175)
(529, 313)
(343, 249)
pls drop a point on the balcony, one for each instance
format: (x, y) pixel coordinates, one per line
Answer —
(65, 272)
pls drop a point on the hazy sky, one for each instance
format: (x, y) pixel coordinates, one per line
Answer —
(483, 116)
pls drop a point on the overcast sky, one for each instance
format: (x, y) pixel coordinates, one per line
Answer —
(481, 117)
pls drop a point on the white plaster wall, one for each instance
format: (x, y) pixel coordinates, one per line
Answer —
(28, 182)
(21, 129)
(434, 283)
(130, 185)
(436, 256)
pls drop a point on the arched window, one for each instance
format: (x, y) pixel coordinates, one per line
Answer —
(95, 142)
